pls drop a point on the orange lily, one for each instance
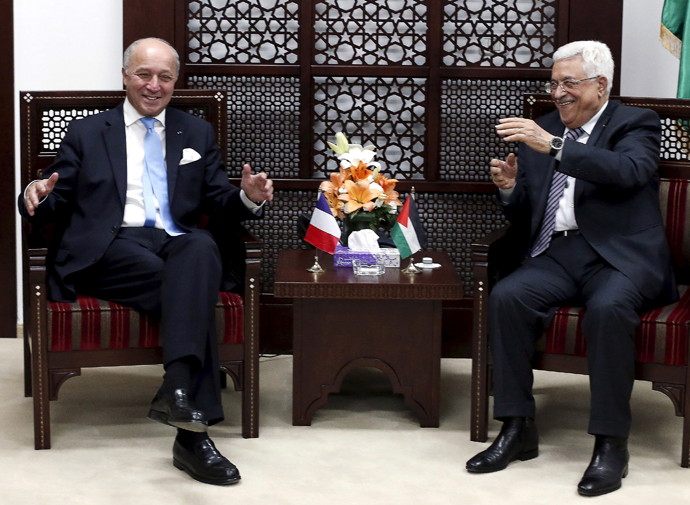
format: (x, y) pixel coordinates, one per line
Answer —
(335, 205)
(332, 187)
(359, 196)
(388, 185)
(360, 171)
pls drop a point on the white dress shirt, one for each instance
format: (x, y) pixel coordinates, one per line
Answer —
(565, 214)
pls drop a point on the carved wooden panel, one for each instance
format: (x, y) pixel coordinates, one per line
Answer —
(366, 32)
(54, 122)
(470, 111)
(263, 122)
(675, 138)
(386, 112)
(454, 221)
(499, 33)
(244, 32)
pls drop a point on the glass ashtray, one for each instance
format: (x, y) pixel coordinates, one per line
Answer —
(375, 266)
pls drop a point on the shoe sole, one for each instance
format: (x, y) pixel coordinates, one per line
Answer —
(180, 466)
(523, 456)
(162, 418)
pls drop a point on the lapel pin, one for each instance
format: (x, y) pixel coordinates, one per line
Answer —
(179, 133)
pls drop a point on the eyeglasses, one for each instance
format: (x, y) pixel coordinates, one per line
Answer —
(566, 85)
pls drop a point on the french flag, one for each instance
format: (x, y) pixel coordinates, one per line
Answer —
(323, 232)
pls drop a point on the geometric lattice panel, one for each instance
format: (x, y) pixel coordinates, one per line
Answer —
(675, 139)
(499, 33)
(470, 110)
(453, 221)
(263, 122)
(386, 112)
(243, 32)
(278, 229)
(370, 32)
(54, 122)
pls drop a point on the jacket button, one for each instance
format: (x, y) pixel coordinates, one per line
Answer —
(113, 229)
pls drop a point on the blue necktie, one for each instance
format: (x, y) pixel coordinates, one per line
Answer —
(155, 180)
(548, 222)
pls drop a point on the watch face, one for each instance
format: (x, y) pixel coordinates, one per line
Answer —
(556, 143)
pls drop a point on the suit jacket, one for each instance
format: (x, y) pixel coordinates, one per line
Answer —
(616, 194)
(89, 198)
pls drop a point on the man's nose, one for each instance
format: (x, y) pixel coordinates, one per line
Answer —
(558, 92)
(153, 84)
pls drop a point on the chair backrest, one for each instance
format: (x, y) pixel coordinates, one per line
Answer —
(674, 168)
(45, 116)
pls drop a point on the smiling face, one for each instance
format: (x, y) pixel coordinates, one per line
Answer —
(150, 78)
(579, 105)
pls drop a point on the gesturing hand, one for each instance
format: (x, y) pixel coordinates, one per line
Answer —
(38, 190)
(257, 187)
(503, 173)
(517, 129)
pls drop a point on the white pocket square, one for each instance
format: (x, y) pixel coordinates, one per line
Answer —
(189, 155)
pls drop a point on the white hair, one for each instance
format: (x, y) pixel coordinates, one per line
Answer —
(596, 58)
(128, 53)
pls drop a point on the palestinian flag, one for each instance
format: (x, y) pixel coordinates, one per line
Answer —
(408, 233)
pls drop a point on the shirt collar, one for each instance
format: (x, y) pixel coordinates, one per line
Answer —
(132, 116)
(588, 127)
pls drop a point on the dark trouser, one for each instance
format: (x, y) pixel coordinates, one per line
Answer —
(521, 307)
(178, 278)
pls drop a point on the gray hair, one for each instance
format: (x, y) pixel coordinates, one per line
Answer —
(133, 45)
(596, 58)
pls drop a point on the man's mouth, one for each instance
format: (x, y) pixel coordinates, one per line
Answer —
(564, 101)
(152, 98)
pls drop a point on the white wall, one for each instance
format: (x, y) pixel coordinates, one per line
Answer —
(646, 69)
(64, 45)
(77, 45)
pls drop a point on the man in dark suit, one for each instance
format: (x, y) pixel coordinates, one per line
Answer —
(584, 191)
(129, 186)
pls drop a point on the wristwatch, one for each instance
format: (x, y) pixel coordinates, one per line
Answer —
(556, 145)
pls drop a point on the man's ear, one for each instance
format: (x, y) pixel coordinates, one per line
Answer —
(602, 83)
(124, 77)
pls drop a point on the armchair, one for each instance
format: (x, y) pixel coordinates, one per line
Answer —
(62, 338)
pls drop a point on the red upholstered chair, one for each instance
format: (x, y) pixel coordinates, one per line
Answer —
(661, 339)
(62, 338)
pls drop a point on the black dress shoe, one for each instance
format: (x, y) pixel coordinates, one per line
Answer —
(204, 463)
(518, 439)
(608, 467)
(176, 410)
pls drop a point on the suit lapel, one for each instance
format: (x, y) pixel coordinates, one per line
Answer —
(174, 143)
(116, 147)
(595, 139)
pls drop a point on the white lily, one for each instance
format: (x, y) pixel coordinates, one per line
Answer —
(357, 154)
(342, 145)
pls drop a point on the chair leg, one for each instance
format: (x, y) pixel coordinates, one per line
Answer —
(41, 401)
(250, 396)
(479, 424)
(27, 366)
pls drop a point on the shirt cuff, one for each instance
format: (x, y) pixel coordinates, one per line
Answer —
(255, 208)
(26, 189)
(505, 195)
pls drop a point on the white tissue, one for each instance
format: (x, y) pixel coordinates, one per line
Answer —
(364, 240)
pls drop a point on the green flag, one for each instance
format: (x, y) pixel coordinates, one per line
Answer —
(675, 27)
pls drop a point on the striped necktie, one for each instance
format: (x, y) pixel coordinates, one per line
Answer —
(558, 184)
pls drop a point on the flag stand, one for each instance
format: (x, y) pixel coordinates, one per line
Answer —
(316, 268)
(411, 269)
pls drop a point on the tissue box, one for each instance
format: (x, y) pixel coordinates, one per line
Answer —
(343, 256)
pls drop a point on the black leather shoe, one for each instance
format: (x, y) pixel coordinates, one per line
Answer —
(608, 467)
(204, 463)
(518, 439)
(176, 410)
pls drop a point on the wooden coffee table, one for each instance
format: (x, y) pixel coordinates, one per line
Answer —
(341, 322)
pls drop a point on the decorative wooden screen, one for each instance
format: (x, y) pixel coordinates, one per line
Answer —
(425, 81)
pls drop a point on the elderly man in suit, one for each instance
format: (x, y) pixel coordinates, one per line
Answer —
(584, 192)
(129, 185)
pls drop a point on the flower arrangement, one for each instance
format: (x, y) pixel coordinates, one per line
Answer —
(358, 193)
